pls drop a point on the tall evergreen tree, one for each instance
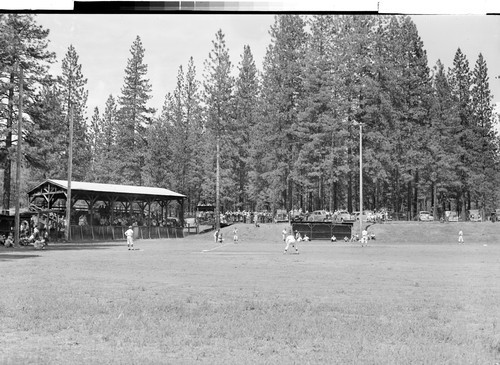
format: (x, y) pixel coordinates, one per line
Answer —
(218, 96)
(282, 89)
(95, 136)
(158, 158)
(440, 168)
(193, 113)
(107, 157)
(23, 44)
(75, 97)
(246, 97)
(134, 116)
(460, 82)
(483, 179)
(46, 138)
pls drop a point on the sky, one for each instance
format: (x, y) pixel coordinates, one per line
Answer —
(103, 44)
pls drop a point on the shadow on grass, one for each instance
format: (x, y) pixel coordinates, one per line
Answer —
(80, 246)
(19, 252)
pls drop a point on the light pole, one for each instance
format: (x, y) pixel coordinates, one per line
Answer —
(360, 178)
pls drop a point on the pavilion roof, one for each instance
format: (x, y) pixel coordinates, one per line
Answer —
(116, 189)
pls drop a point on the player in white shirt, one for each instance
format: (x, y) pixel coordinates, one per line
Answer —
(129, 233)
(291, 241)
(364, 237)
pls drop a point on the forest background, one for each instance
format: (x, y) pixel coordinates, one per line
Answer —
(289, 133)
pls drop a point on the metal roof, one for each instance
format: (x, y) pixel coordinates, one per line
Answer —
(113, 188)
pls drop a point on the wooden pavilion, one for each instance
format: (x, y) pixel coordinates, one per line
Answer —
(96, 199)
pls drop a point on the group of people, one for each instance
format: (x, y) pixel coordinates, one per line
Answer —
(248, 216)
(218, 237)
(39, 238)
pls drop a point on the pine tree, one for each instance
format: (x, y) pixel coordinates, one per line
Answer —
(23, 44)
(107, 159)
(158, 167)
(418, 95)
(460, 82)
(246, 97)
(95, 137)
(218, 95)
(134, 116)
(179, 129)
(194, 120)
(74, 97)
(441, 166)
(483, 179)
(45, 148)
(282, 89)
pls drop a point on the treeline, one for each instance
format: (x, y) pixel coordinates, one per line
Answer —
(287, 135)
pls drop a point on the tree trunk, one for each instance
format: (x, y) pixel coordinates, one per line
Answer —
(8, 144)
(415, 195)
(408, 201)
(349, 192)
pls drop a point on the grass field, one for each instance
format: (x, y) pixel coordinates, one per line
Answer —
(413, 296)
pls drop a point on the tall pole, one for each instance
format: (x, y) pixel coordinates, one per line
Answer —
(70, 172)
(17, 219)
(217, 185)
(361, 180)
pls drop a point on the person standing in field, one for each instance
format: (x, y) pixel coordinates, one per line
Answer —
(129, 233)
(235, 235)
(284, 234)
(216, 236)
(364, 237)
(460, 237)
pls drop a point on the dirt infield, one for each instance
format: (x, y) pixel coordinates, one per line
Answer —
(412, 296)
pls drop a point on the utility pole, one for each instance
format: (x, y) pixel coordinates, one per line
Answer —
(361, 180)
(217, 184)
(17, 219)
(70, 172)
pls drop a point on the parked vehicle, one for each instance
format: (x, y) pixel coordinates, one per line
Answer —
(281, 216)
(451, 216)
(319, 216)
(425, 216)
(367, 216)
(172, 222)
(475, 215)
(342, 216)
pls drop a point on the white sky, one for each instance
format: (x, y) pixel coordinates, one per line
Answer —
(103, 44)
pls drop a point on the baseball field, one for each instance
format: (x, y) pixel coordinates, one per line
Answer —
(412, 296)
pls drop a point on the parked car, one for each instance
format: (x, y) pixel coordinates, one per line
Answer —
(319, 216)
(367, 216)
(342, 216)
(281, 216)
(451, 216)
(425, 216)
(475, 216)
(172, 222)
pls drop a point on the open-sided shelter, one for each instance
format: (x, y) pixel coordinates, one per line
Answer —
(93, 198)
